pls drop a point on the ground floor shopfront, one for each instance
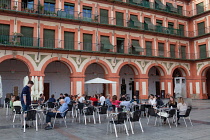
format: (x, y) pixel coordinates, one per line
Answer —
(67, 73)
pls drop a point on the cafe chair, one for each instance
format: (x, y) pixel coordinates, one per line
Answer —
(71, 110)
(121, 120)
(151, 112)
(135, 117)
(89, 111)
(31, 115)
(187, 115)
(60, 117)
(50, 105)
(17, 111)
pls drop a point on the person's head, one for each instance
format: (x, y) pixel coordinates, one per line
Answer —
(157, 97)
(114, 97)
(134, 97)
(40, 95)
(61, 95)
(181, 100)
(66, 95)
(52, 96)
(30, 83)
(101, 95)
(123, 95)
(108, 96)
(61, 101)
(95, 96)
(171, 99)
(83, 95)
(151, 96)
(17, 98)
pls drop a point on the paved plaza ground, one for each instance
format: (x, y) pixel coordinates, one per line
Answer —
(200, 116)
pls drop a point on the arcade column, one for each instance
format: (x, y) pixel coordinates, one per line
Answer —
(77, 82)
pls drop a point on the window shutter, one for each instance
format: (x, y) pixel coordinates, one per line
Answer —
(119, 19)
(105, 42)
(69, 40)
(4, 33)
(183, 52)
(200, 8)
(49, 38)
(27, 38)
(104, 16)
(202, 51)
(172, 50)
(148, 48)
(181, 30)
(161, 49)
(87, 42)
(201, 28)
(179, 9)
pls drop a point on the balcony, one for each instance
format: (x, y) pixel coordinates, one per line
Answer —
(97, 19)
(56, 44)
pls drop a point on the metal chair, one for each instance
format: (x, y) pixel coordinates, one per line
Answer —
(31, 115)
(187, 115)
(89, 111)
(61, 117)
(151, 112)
(50, 105)
(17, 111)
(135, 117)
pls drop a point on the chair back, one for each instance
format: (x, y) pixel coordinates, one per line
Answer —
(113, 107)
(121, 117)
(70, 107)
(151, 111)
(103, 110)
(172, 112)
(31, 115)
(187, 113)
(95, 103)
(6, 100)
(136, 115)
(89, 110)
(17, 109)
(65, 112)
(135, 107)
(80, 106)
(143, 108)
(50, 105)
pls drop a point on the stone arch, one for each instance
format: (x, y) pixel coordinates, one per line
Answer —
(63, 60)
(204, 70)
(133, 66)
(21, 58)
(182, 69)
(103, 64)
(159, 67)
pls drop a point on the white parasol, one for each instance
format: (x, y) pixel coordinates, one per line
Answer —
(41, 87)
(25, 81)
(99, 81)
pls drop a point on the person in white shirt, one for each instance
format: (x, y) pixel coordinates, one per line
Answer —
(152, 100)
(182, 107)
(82, 99)
(17, 101)
(102, 99)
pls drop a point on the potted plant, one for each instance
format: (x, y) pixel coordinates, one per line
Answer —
(40, 8)
(14, 7)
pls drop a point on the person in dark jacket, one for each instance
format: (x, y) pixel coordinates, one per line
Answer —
(159, 101)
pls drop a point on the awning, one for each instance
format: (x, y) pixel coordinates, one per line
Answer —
(106, 43)
(160, 5)
(136, 21)
(137, 47)
(172, 8)
(150, 25)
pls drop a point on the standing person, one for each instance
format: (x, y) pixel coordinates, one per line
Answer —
(67, 99)
(26, 97)
(102, 99)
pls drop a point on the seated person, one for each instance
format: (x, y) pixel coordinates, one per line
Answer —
(82, 99)
(17, 101)
(115, 101)
(123, 98)
(182, 108)
(67, 99)
(49, 115)
(126, 104)
(94, 99)
(61, 97)
(41, 99)
(52, 99)
(159, 101)
(172, 102)
(108, 103)
(135, 100)
(152, 100)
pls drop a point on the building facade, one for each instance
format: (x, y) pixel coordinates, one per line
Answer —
(140, 44)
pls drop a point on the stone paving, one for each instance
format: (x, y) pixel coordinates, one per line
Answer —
(200, 116)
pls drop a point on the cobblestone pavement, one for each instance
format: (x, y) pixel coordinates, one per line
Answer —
(200, 116)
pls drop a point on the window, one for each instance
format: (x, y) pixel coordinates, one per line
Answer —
(148, 48)
(87, 13)
(119, 19)
(159, 27)
(183, 52)
(106, 46)
(202, 51)
(181, 30)
(201, 28)
(49, 38)
(29, 4)
(134, 22)
(104, 16)
(69, 9)
(135, 49)
(172, 51)
(148, 24)
(170, 7)
(5, 4)
(179, 9)
(4, 33)
(120, 45)
(199, 8)
(161, 49)
(159, 5)
(170, 28)
(69, 40)
(87, 42)
(49, 6)
(27, 38)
